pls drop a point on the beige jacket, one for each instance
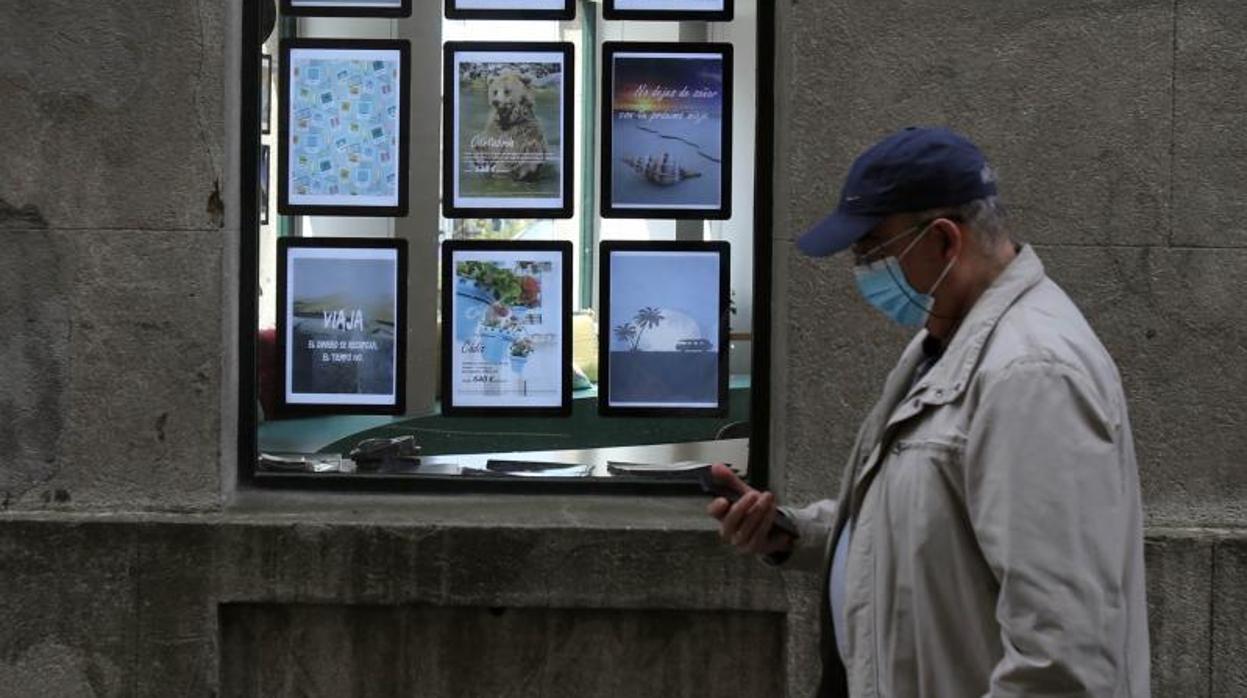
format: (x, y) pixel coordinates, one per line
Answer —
(997, 545)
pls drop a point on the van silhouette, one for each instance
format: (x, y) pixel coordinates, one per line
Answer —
(693, 345)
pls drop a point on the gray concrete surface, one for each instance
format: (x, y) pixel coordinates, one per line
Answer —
(245, 601)
(272, 651)
(1180, 608)
(1228, 639)
(111, 218)
(1081, 107)
(119, 106)
(1210, 143)
(117, 379)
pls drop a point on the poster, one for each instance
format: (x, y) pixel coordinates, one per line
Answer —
(342, 304)
(666, 139)
(266, 94)
(344, 130)
(511, 9)
(704, 10)
(664, 327)
(508, 135)
(346, 8)
(507, 317)
(264, 179)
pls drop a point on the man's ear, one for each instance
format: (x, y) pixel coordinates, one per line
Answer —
(954, 237)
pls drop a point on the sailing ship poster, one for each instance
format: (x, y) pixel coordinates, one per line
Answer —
(664, 328)
(341, 330)
(666, 140)
(506, 313)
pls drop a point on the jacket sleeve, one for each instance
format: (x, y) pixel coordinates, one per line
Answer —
(1047, 498)
(814, 523)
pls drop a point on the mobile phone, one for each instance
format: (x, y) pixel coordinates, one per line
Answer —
(712, 487)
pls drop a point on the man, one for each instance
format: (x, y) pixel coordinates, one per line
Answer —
(987, 540)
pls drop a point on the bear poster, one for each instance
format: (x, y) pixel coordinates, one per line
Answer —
(660, 10)
(341, 322)
(511, 9)
(664, 328)
(344, 127)
(666, 136)
(508, 130)
(507, 315)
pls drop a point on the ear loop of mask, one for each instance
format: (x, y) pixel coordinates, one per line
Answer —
(904, 284)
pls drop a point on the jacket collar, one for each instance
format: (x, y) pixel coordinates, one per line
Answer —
(951, 374)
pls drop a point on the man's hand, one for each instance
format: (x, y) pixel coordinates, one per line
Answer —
(747, 523)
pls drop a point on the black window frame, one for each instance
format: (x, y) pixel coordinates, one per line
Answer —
(255, 15)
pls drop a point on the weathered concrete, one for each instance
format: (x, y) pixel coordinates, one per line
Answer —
(171, 605)
(112, 184)
(117, 380)
(113, 115)
(1210, 141)
(1228, 641)
(1071, 100)
(130, 606)
(1178, 339)
(271, 651)
(1074, 103)
(67, 610)
(34, 361)
(1179, 613)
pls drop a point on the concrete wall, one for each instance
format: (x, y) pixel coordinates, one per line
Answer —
(130, 568)
(113, 183)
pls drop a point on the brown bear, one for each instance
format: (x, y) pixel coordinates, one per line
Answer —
(511, 144)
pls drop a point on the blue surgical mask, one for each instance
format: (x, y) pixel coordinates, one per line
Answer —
(883, 284)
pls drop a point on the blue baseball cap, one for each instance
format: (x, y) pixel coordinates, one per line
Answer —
(914, 169)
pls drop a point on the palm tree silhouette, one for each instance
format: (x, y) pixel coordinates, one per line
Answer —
(646, 318)
(625, 332)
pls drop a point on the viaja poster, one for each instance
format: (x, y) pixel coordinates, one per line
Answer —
(342, 324)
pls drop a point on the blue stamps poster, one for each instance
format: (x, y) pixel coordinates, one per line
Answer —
(344, 128)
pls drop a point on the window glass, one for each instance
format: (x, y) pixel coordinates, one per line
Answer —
(503, 286)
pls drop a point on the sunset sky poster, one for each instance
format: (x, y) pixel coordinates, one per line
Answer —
(669, 131)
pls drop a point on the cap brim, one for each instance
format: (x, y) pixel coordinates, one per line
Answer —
(836, 233)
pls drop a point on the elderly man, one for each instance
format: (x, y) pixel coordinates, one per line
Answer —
(987, 540)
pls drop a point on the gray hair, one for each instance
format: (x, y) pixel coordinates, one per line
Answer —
(986, 217)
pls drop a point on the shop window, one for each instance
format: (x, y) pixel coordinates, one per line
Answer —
(355, 327)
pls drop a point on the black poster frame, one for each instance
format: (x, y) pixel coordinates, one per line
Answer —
(606, 326)
(284, 207)
(611, 11)
(450, 124)
(568, 13)
(449, 248)
(290, 8)
(284, 245)
(610, 50)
